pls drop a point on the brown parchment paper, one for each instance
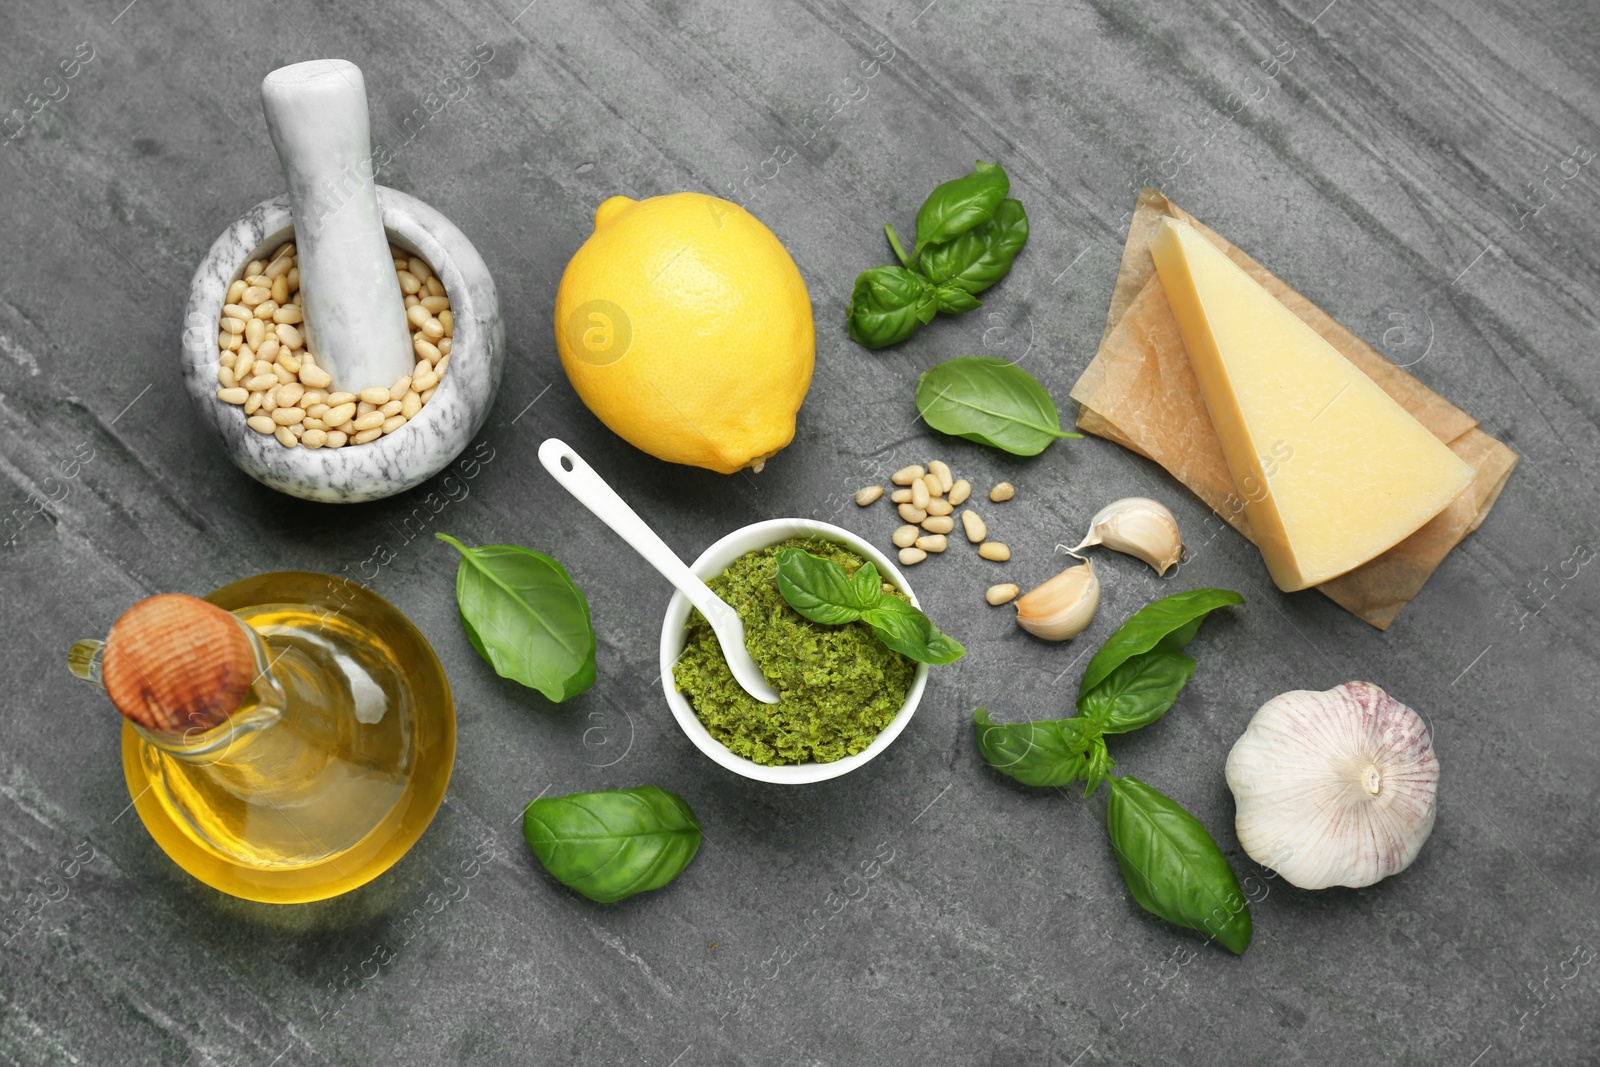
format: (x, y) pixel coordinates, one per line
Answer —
(1140, 392)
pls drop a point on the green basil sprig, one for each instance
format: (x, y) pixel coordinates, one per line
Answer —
(611, 845)
(968, 234)
(1172, 866)
(989, 401)
(525, 617)
(823, 591)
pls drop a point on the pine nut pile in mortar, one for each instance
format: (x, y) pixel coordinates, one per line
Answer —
(264, 366)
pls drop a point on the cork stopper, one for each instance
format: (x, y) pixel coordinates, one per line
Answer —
(175, 663)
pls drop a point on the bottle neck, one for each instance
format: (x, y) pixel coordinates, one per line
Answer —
(261, 707)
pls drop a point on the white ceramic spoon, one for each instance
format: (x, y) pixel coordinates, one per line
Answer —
(579, 479)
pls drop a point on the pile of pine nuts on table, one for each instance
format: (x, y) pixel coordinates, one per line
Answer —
(264, 366)
(926, 499)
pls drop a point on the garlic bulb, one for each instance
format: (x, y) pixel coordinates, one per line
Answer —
(1140, 527)
(1063, 606)
(1334, 788)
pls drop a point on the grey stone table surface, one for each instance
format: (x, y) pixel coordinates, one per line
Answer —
(1406, 166)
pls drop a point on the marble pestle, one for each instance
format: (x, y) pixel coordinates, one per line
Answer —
(355, 317)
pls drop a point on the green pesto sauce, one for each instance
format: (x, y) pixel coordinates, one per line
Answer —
(839, 685)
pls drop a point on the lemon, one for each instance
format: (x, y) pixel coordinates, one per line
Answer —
(686, 328)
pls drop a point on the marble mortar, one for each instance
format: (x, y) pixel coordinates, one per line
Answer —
(416, 451)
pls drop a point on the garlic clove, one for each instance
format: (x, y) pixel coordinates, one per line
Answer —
(1334, 788)
(1140, 527)
(1062, 607)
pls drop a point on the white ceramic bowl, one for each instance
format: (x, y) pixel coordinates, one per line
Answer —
(712, 562)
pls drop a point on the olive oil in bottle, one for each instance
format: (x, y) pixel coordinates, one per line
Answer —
(287, 740)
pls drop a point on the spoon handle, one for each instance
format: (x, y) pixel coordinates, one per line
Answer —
(591, 490)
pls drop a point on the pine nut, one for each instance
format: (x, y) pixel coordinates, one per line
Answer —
(389, 409)
(287, 416)
(363, 436)
(260, 367)
(445, 343)
(425, 382)
(289, 395)
(435, 287)
(900, 496)
(911, 513)
(433, 329)
(371, 420)
(426, 394)
(919, 495)
(409, 283)
(314, 438)
(280, 291)
(939, 524)
(393, 423)
(941, 470)
(294, 279)
(278, 267)
(255, 331)
(237, 311)
(313, 396)
(285, 438)
(365, 406)
(416, 314)
(336, 439)
(994, 550)
(447, 319)
(264, 311)
(400, 388)
(268, 349)
(1001, 594)
(258, 279)
(261, 423)
(974, 526)
(233, 396)
(375, 395)
(290, 362)
(253, 267)
(261, 381)
(315, 376)
(290, 336)
(254, 295)
(288, 314)
(410, 404)
(868, 494)
(253, 405)
(235, 291)
(959, 491)
(232, 325)
(910, 556)
(435, 304)
(282, 373)
(418, 268)
(230, 340)
(339, 414)
(335, 399)
(426, 350)
(226, 379)
(907, 475)
(933, 543)
(269, 400)
(905, 537)
(939, 506)
(314, 424)
(1002, 492)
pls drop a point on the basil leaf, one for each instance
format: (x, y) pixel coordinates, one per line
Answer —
(952, 300)
(611, 845)
(981, 256)
(989, 401)
(1164, 625)
(887, 305)
(525, 617)
(1138, 692)
(1036, 753)
(911, 633)
(1098, 764)
(1172, 866)
(958, 205)
(822, 591)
